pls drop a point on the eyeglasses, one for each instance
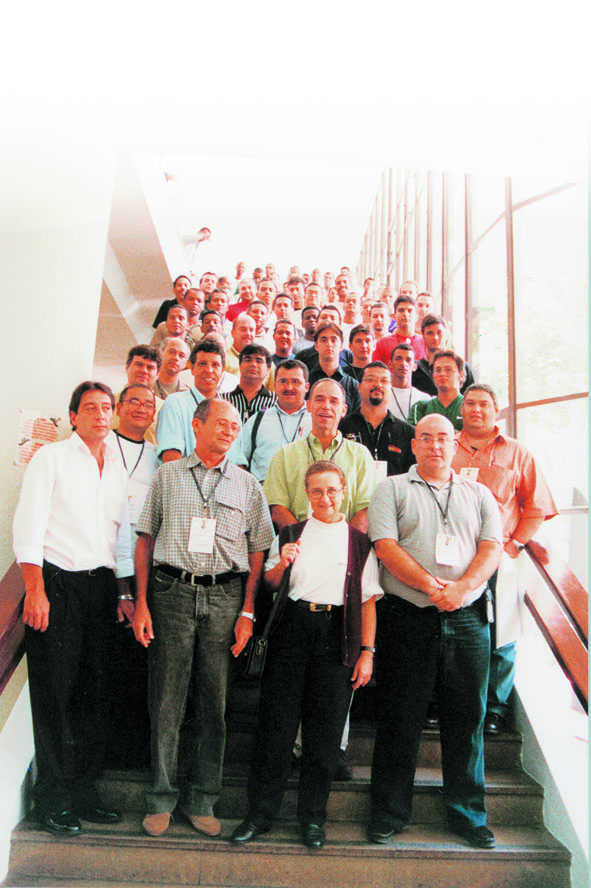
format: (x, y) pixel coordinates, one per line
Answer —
(332, 492)
(135, 403)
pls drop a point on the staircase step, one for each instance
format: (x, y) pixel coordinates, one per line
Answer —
(513, 798)
(500, 750)
(420, 856)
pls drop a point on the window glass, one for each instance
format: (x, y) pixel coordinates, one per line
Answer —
(551, 290)
(489, 301)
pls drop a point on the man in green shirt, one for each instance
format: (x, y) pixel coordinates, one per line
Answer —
(448, 376)
(284, 485)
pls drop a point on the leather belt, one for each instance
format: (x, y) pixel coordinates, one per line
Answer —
(316, 608)
(196, 579)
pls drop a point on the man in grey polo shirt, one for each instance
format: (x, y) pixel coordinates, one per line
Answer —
(438, 536)
(205, 525)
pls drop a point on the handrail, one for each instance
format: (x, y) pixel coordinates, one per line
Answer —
(12, 630)
(560, 607)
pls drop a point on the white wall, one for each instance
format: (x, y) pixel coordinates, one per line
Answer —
(54, 218)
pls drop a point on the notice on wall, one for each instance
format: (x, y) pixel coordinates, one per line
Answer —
(34, 430)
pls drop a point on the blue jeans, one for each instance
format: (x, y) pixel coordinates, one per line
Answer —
(420, 651)
(502, 669)
(190, 653)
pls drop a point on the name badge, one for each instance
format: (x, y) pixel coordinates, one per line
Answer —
(447, 549)
(381, 469)
(470, 472)
(201, 535)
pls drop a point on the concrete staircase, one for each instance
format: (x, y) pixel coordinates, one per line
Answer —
(425, 854)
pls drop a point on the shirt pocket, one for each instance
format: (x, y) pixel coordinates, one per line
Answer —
(230, 515)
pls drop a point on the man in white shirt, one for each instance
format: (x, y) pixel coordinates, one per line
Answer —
(71, 530)
(403, 395)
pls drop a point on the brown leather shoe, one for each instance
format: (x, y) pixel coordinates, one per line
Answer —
(205, 823)
(156, 824)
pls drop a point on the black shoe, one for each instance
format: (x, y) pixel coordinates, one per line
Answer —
(494, 723)
(344, 770)
(478, 836)
(98, 815)
(247, 831)
(381, 832)
(313, 835)
(432, 717)
(60, 823)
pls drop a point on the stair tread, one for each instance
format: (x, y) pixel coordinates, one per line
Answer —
(342, 838)
(496, 780)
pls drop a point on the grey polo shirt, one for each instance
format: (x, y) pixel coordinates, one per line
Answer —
(234, 498)
(403, 509)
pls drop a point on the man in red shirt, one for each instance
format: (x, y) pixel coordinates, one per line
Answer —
(405, 315)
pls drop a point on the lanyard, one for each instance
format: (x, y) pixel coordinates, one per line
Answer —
(193, 396)
(398, 402)
(375, 436)
(139, 459)
(213, 489)
(331, 458)
(295, 434)
(443, 514)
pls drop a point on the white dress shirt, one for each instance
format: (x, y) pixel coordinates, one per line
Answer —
(71, 515)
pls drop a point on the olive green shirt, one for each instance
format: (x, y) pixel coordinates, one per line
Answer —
(284, 484)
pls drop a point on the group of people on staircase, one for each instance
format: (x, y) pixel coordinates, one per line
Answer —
(319, 440)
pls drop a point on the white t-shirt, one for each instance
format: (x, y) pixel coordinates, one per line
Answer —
(318, 573)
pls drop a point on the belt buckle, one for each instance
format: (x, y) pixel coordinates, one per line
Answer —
(317, 608)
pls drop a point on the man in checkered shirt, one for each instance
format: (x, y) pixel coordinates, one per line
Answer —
(203, 532)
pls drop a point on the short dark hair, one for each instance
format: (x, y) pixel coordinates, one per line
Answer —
(284, 321)
(177, 307)
(185, 276)
(430, 320)
(287, 296)
(292, 364)
(333, 308)
(309, 308)
(379, 364)
(328, 325)
(254, 349)
(400, 299)
(202, 409)
(135, 385)
(210, 311)
(357, 329)
(256, 302)
(483, 387)
(295, 280)
(449, 353)
(207, 345)
(378, 305)
(144, 351)
(88, 386)
(404, 346)
(207, 272)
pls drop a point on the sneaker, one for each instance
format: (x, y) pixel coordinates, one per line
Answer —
(156, 824)
(344, 769)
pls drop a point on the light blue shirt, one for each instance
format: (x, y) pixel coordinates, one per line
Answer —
(174, 430)
(276, 429)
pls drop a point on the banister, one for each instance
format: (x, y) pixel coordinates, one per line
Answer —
(560, 605)
(12, 630)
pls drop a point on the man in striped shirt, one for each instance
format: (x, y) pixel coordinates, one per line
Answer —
(250, 394)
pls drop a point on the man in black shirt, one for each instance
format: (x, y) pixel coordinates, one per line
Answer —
(388, 439)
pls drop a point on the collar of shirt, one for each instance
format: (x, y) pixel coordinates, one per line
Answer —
(110, 443)
(336, 442)
(413, 475)
(193, 460)
(461, 439)
(299, 412)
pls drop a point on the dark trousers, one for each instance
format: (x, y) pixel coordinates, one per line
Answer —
(305, 680)
(419, 651)
(69, 684)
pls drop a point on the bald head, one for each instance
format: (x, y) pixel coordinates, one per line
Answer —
(434, 446)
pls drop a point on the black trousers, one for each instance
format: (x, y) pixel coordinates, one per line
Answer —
(69, 684)
(305, 680)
